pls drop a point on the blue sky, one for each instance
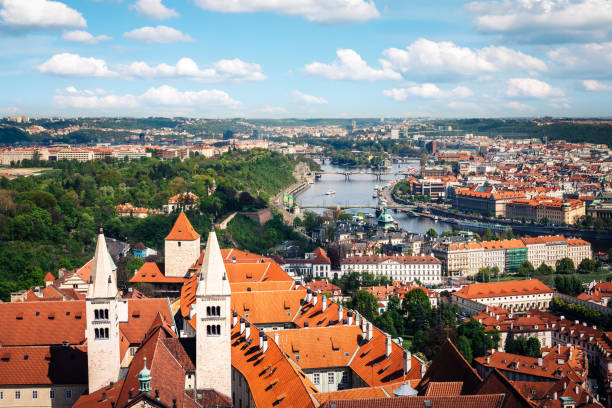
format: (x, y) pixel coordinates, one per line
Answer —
(306, 58)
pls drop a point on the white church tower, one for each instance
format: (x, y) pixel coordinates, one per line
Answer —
(213, 327)
(182, 248)
(102, 331)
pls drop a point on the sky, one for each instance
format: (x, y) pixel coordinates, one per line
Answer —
(306, 58)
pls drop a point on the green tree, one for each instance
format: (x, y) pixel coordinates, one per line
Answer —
(432, 233)
(525, 269)
(480, 341)
(570, 285)
(544, 269)
(483, 275)
(565, 266)
(365, 303)
(465, 348)
(534, 347)
(587, 266)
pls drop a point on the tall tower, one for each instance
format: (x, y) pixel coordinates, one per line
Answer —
(182, 247)
(213, 330)
(102, 330)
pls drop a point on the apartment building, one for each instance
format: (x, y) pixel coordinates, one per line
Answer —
(485, 202)
(425, 268)
(549, 249)
(515, 296)
(554, 209)
(459, 259)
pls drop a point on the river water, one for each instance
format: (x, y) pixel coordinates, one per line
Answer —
(358, 191)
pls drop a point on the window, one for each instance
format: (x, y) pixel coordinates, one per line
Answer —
(331, 378)
(316, 378)
(179, 243)
(1, 395)
(52, 394)
(213, 330)
(96, 314)
(133, 351)
(345, 377)
(213, 310)
(68, 394)
(34, 394)
(17, 395)
(105, 314)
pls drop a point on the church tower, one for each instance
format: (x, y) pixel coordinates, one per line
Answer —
(182, 248)
(102, 330)
(213, 330)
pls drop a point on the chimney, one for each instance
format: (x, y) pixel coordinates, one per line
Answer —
(407, 361)
(356, 318)
(349, 314)
(234, 319)
(489, 360)
(308, 295)
(576, 390)
(558, 348)
(564, 385)
(241, 325)
(276, 337)
(340, 313)
(247, 330)
(555, 395)
(323, 303)
(370, 332)
(388, 346)
(540, 362)
(261, 334)
(265, 343)
(314, 300)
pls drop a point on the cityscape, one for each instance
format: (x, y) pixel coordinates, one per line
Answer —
(305, 203)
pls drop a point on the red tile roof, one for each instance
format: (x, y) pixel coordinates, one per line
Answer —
(463, 401)
(508, 288)
(182, 230)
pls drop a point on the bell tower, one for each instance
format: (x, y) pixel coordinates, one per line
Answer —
(102, 330)
(181, 248)
(213, 327)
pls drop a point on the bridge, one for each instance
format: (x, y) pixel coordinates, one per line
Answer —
(378, 173)
(357, 206)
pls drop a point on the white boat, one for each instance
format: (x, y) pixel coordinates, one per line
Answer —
(375, 195)
(330, 192)
(310, 182)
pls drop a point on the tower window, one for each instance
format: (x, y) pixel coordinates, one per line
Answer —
(213, 310)
(179, 243)
(96, 314)
(106, 314)
(213, 330)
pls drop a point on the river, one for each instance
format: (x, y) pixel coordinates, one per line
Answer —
(358, 191)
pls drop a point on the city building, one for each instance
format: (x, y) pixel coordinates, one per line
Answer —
(182, 202)
(459, 259)
(555, 210)
(515, 296)
(424, 268)
(488, 202)
(314, 265)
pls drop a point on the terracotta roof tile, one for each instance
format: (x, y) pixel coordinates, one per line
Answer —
(182, 230)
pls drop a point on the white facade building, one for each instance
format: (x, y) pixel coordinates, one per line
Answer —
(425, 268)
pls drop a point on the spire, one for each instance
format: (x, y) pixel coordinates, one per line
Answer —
(145, 378)
(102, 284)
(213, 278)
(182, 230)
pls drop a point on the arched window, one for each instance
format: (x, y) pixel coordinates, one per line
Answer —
(96, 314)
(207, 310)
(218, 310)
(106, 333)
(208, 333)
(218, 330)
(97, 332)
(106, 314)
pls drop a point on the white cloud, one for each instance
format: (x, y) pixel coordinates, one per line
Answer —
(9, 110)
(318, 11)
(429, 58)
(593, 57)
(159, 34)
(39, 15)
(544, 19)
(223, 70)
(595, 86)
(350, 65)
(186, 68)
(427, 90)
(163, 96)
(305, 99)
(274, 110)
(531, 88)
(518, 106)
(84, 37)
(153, 9)
(67, 64)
